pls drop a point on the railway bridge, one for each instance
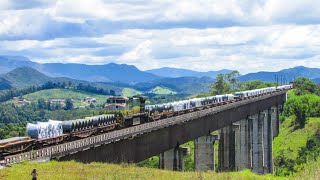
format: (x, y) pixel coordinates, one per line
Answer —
(246, 131)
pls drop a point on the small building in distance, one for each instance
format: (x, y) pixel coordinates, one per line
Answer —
(21, 100)
(89, 100)
(61, 101)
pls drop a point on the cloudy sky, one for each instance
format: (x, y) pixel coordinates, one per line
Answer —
(203, 35)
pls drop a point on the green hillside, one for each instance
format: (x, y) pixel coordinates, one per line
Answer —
(130, 92)
(76, 95)
(4, 84)
(293, 147)
(25, 76)
(162, 90)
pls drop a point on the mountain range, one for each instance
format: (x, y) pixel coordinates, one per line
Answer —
(100, 73)
(20, 72)
(176, 72)
(285, 75)
(95, 73)
(23, 77)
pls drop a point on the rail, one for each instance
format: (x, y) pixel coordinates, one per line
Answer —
(106, 138)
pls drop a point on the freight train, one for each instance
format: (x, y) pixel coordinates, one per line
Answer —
(52, 132)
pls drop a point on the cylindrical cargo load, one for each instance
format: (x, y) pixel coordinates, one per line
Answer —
(111, 118)
(85, 123)
(49, 130)
(90, 123)
(44, 131)
(56, 128)
(77, 125)
(33, 131)
(105, 119)
(82, 124)
(100, 120)
(67, 126)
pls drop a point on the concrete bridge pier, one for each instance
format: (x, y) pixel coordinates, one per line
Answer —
(257, 143)
(267, 142)
(236, 129)
(245, 140)
(173, 158)
(204, 152)
(226, 161)
(275, 113)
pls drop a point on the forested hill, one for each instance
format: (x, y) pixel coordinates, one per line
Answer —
(183, 85)
(94, 73)
(285, 75)
(25, 77)
(4, 84)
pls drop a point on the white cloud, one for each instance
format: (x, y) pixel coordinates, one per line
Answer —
(246, 49)
(199, 34)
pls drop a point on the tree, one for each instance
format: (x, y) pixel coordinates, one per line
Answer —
(69, 104)
(300, 111)
(92, 105)
(112, 92)
(69, 84)
(304, 85)
(318, 89)
(42, 104)
(233, 78)
(221, 85)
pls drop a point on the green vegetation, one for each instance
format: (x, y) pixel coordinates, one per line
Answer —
(302, 107)
(25, 77)
(304, 86)
(255, 84)
(311, 171)
(76, 95)
(292, 149)
(158, 90)
(13, 119)
(229, 83)
(130, 92)
(74, 170)
(221, 86)
(162, 90)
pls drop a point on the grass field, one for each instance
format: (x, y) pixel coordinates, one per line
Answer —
(162, 90)
(76, 95)
(73, 170)
(128, 92)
